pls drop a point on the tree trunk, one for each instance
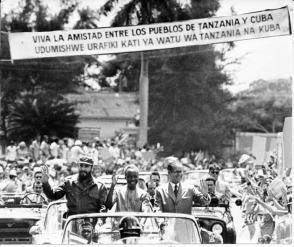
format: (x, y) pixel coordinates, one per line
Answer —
(143, 94)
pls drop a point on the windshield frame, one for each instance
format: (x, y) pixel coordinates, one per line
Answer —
(123, 214)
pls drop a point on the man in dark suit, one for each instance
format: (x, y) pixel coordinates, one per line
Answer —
(151, 187)
(176, 197)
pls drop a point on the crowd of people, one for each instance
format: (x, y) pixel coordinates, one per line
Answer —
(69, 168)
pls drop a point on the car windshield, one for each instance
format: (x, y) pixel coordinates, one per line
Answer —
(195, 176)
(11, 198)
(54, 217)
(230, 176)
(107, 230)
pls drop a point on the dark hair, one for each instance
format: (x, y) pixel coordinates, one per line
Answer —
(210, 179)
(213, 167)
(155, 173)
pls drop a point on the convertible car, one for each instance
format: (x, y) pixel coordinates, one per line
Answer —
(16, 219)
(131, 228)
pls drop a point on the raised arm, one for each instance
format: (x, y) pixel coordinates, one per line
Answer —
(201, 196)
(55, 194)
(111, 197)
(158, 201)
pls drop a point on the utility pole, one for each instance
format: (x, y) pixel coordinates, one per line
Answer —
(143, 93)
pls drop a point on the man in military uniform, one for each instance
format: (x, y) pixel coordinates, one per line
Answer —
(83, 193)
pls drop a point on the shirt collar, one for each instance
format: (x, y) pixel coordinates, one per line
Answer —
(173, 185)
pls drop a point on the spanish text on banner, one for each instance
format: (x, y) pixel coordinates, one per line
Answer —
(255, 25)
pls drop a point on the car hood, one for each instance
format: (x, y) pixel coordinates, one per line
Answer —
(21, 213)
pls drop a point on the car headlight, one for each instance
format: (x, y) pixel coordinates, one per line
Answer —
(217, 228)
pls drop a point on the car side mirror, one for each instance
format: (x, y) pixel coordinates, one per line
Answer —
(238, 202)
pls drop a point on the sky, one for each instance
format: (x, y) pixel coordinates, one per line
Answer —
(267, 58)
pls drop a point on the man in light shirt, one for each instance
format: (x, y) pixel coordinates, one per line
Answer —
(76, 151)
(128, 198)
(11, 152)
(45, 148)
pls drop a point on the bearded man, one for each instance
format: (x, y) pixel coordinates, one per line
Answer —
(83, 193)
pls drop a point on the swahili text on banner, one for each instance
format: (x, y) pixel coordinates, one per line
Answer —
(150, 37)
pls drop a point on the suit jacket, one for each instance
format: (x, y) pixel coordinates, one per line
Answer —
(141, 203)
(166, 201)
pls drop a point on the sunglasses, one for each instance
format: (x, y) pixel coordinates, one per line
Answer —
(214, 172)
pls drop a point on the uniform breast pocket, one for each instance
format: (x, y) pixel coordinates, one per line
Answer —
(94, 193)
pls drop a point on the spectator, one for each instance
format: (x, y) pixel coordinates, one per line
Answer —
(2, 174)
(222, 188)
(214, 202)
(155, 177)
(54, 147)
(35, 149)
(76, 151)
(11, 152)
(35, 197)
(151, 186)
(45, 149)
(12, 185)
(22, 151)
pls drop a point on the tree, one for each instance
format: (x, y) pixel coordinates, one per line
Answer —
(138, 12)
(53, 75)
(264, 106)
(188, 107)
(34, 114)
(88, 19)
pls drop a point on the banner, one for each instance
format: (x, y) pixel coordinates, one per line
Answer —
(114, 40)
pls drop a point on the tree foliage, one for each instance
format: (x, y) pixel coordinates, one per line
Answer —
(53, 75)
(188, 109)
(34, 114)
(264, 106)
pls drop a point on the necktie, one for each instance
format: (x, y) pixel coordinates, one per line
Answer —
(176, 190)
